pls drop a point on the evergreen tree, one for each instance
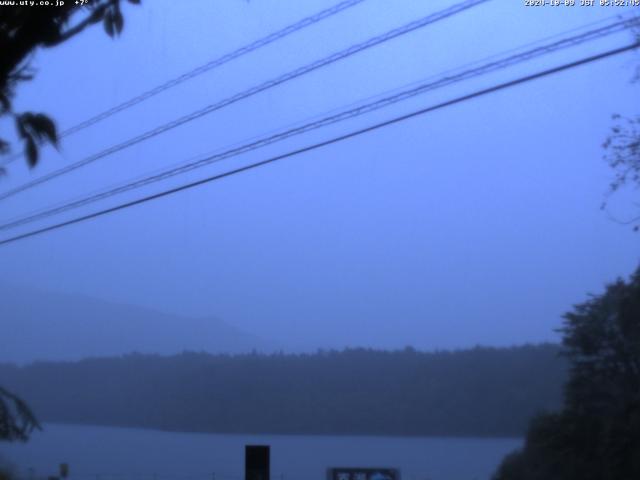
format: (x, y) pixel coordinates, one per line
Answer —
(597, 434)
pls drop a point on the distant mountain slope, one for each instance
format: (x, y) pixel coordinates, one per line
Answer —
(477, 392)
(38, 325)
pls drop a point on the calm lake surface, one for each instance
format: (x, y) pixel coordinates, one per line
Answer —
(105, 453)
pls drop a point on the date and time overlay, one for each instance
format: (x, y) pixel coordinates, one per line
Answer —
(526, 3)
(581, 3)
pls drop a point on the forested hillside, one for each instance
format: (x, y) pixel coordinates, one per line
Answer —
(482, 391)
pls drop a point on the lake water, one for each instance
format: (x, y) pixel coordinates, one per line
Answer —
(105, 453)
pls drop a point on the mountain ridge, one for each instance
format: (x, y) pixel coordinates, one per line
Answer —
(50, 326)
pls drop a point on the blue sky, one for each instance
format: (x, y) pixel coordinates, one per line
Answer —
(478, 224)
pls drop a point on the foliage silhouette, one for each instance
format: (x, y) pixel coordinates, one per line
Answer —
(16, 419)
(24, 29)
(597, 433)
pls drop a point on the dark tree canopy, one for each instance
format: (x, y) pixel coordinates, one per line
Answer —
(602, 341)
(24, 29)
(597, 434)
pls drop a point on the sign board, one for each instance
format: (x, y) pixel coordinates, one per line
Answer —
(363, 474)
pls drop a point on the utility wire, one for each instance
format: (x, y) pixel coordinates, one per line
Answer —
(262, 42)
(273, 37)
(341, 138)
(331, 119)
(374, 41)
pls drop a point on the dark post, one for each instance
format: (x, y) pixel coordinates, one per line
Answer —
(257, 462)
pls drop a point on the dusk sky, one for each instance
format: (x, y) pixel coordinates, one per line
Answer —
(475, 224)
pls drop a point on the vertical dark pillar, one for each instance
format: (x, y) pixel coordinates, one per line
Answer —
(257, 462)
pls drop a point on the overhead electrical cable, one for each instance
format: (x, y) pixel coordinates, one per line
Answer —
(215, 63)
(343, 115)
(374, 41)
(334, 140)
(273, 37)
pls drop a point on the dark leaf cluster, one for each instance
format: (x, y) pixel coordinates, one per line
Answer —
(16, 418)
(23, 30)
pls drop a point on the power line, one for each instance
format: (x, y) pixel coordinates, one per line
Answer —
(374, 41)
(335, 118)
(447, 80)
(262, 42)
(395, 120)
(273, 37)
